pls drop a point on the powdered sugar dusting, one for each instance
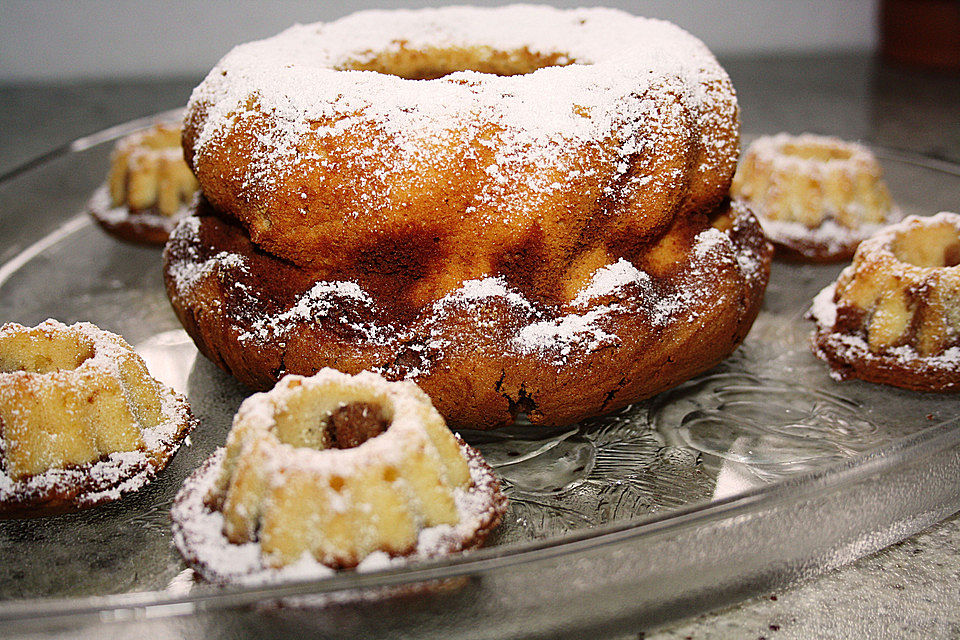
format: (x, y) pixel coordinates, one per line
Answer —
(817, 196)
(473, 290)
(323, 300)
(831, 236)
(557, 339)
(101, 204)
(567, 332)
(198, 532)
(849, 352)
(824, 310)
(609, 280)
(627, 75)
(850, 158)
(556, 333)
(186, 274)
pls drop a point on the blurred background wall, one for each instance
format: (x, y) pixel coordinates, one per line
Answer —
(114, 39)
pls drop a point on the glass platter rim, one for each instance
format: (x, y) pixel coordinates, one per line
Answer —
(928, 441)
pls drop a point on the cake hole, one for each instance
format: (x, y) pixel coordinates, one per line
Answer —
(336, 483)
(928, 246)
(389, 474)
(433, 63)
(822, 153)
(951, 255)
(353, 424)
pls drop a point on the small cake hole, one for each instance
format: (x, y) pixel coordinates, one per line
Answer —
(389, 474)
(931, 246)
(353, 424)
(336, 483)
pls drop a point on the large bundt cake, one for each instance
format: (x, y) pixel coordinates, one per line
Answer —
(331, 469)
(817, 197)
(893, 316)
(522, 209)
(82, 421)
(148, 187)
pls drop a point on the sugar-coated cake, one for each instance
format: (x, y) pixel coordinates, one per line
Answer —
(82, 420)
(817, 197)
(522, 209)
(329, 470)
(893, 315)
(148, 187)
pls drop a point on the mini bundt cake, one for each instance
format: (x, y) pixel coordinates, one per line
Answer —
(332, 469)
(893, 315)
(817, 197)
(148, 187)
(82, 421)
(522, 209)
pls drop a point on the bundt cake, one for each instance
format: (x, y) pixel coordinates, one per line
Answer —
(893, 315)
(148, 187)
(817, 197)
(522, 209)
(82, 421)
(332, 469)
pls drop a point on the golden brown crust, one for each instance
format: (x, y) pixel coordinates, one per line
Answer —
(893, 316)
(433, 229)
(606, 132)
(489, 351)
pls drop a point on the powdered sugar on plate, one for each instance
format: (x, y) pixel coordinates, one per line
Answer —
(830, 235)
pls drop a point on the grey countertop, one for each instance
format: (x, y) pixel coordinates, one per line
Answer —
(909, 590)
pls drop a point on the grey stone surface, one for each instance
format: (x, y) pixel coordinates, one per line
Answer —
(909, 590)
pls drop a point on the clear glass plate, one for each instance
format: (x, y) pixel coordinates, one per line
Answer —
(762, 471)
